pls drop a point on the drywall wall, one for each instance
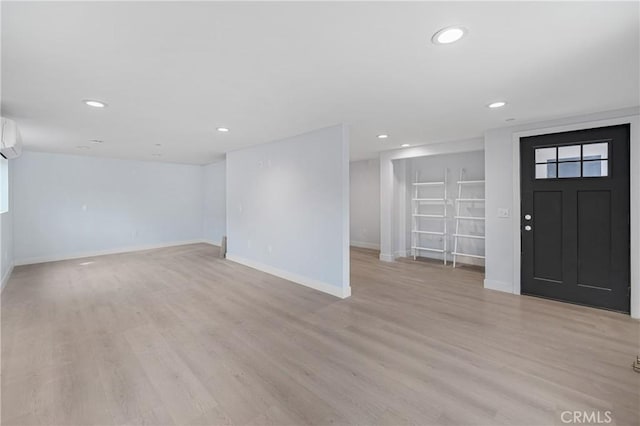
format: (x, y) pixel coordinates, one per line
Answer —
(69, 206)
(6, 228)
(214, 221)
(502, 189)
(432, 169)
(288, 208)
(364, 193)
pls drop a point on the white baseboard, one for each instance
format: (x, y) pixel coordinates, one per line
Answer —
(44, 259)
(210, 242)
(6, 277)
(403, 253)
(498, 285)
(340, 292)
(387, 257)
(363, 244)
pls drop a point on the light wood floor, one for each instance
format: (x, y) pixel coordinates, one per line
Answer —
(177, 336)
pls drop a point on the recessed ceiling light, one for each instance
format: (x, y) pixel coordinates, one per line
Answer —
(383, 136)
(94, 103)
(498, 104)
(96, 141)
(449, 35)
(405, 145)
(222, 129)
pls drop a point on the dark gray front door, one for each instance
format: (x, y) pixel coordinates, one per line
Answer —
(575, 217)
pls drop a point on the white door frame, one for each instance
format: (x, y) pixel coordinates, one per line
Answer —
(634, 122)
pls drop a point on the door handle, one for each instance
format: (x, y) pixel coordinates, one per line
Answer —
(527, 228)
(527, 217)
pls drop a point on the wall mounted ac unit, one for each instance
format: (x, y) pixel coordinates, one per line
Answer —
(10, 140)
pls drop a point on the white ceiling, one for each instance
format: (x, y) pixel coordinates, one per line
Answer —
(173, 72)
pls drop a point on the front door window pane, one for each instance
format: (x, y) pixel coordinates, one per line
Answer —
(595, 151)
(595, 168)
(546, 171)
(569, 153)
(544, 155)
(569, 169)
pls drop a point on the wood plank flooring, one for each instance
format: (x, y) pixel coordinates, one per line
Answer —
(178, 336)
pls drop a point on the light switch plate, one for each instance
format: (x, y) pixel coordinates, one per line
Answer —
(503, 212)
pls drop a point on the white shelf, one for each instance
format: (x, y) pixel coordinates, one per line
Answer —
(427, 183)
(428, 232)
(428, 249)
(477, 256)
(479, 237)
(430, 203)
(465, 205)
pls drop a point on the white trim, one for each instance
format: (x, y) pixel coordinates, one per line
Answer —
(498, 285)
(6, 277)
(341, 292)
(634, 122)
(402, 253)
(386, 257)
(44, 259)
(211, 243)
(363, 244)
(346, 213)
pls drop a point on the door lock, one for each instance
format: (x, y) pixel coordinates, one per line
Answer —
(527, 228)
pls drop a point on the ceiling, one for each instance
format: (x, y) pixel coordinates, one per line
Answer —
(173, 72)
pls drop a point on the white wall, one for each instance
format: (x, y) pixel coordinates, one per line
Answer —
(214, 221)
(6, 233)
(502, 186)
(364, 190)
(431, 169)
(69, 206)
(288, 208)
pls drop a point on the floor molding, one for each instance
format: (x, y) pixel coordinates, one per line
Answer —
(386, 257)
(363, 244)
(80, 255)
(340, 292)
(5, 278)
(498, 285)
(402, 253)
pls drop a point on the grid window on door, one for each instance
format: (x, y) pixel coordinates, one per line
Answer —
(585, 160)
